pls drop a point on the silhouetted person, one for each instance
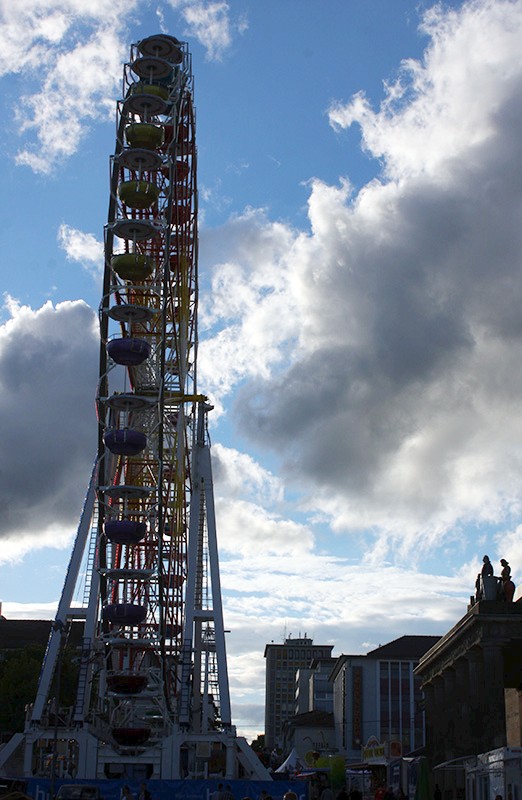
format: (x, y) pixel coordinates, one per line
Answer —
(487, 570)
(144, 793)
(508, 587)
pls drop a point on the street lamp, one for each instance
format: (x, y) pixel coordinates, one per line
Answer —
(58, 625)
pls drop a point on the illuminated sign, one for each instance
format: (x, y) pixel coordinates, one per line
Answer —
(374, 751)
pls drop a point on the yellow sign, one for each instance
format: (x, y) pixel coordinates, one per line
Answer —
(373, 751)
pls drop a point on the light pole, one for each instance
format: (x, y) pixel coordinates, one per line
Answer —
(57, 626)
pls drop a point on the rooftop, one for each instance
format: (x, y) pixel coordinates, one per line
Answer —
(405, 648)
(18, 633)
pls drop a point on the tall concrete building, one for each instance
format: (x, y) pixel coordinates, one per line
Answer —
(282, 663)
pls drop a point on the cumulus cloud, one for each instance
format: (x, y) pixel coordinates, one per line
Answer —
(83, 248)
(210, 23)
(67, 56)
(250, 508)
(249, 314)
(238, 475)
(248, 527)
(377, 354)
(432, 113)
(48, 360)
(67, 59)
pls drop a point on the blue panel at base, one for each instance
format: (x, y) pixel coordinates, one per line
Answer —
(40, 788)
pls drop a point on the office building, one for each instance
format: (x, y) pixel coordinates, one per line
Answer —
(378, 699)
(282, 663)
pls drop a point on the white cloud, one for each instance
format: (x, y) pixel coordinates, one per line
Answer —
(238, 475)
(276, 580)
(83, 248)
(433, 113)
(55, 536)
(268, 598)
(377, 355)
(246, 527)
(250, 310)
(67, 58)
(73, 53)
(79, 88)
(250, 510)
(509, 546)
(209, 22)
(322, 592)
(29, 610)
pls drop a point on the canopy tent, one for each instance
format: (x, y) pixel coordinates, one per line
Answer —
(292, 763)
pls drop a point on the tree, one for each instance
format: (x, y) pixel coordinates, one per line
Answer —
(258, 745)
(18, 683)
(19, 672)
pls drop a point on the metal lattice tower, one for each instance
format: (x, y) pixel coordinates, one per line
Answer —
(152, 697)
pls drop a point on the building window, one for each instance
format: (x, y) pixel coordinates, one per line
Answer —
(357, 705)
(384, 691)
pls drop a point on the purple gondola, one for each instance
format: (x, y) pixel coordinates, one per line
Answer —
(125, 531)
(125, 441)
(128, 351)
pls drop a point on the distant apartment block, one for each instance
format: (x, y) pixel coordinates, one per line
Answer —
(313, 689)
(282, 663)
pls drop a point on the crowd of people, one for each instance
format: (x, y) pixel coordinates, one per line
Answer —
(320, 789)
(143, 793)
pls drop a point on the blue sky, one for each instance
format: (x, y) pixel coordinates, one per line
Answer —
(360, 239)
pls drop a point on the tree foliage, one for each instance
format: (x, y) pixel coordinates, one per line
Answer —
(258, 744)
(19, 672)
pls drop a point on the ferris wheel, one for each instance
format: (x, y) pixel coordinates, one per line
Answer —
(147, 392)
(152, 698)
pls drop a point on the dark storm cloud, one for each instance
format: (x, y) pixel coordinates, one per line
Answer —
(48, 362)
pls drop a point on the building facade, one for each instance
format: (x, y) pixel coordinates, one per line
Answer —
(313, 688)
(309, 736)
(378, 698)
(282, 663)
(472, 682)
